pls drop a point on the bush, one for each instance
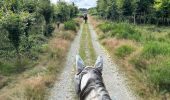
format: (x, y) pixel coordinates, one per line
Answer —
(6, 69)
(154, 48)
(123, 51)
(126, 31)
(120, 30)
(67, 35)
(106, 27)
(70, 25)
(159, 75)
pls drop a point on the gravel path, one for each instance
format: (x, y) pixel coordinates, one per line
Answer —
(64, 87)
(114, 81)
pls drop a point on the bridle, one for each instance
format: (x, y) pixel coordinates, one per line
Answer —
(89, 86)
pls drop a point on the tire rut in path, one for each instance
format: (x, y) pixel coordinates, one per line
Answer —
(64, 86)
(114, 81)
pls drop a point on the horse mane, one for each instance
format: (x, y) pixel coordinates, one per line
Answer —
(97, 85)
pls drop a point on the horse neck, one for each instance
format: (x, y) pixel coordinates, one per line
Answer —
(97, 91)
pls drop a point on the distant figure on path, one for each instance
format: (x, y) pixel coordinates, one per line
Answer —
(85, 18)
(58, 25)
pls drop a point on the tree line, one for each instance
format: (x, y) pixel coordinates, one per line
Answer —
(22, 18)
(136, 11)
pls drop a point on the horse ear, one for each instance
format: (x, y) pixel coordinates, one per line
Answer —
(79, 64)
(99, 63)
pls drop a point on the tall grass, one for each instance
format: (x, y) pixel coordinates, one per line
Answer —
(155, 48)
(86, 47)
(123, 51)
(159, 75)
(70, 25)
(120, 30)
(106, 27)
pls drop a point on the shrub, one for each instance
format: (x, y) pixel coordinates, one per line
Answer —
(154, 48)
(159, 75)
(70, 25)
(123, 51)
(105, 27)
(67, 35)
(6, 69)
(126, 31)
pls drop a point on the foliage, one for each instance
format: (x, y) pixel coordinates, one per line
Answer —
(158, 75)
(137, 11)
(70, 25)
(153, 49)
(121, 30)
(23, 24)
(64, 12)
(123, 51)
(106, 27)
(13, 23)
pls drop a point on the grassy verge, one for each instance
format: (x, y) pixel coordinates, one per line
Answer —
(143, 52)
(86, 47)
(33, 83)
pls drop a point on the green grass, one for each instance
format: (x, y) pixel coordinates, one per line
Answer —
(86, 41)
(123, 51)
(91, 48)
(155, 48)
(70, 25)
(106, 27)
(159, 75)
(151, 60)
(121, 30)
(82, 44)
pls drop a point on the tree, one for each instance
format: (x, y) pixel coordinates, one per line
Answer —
(112, 11)
(63, 11)
(46, 10)
(127, 8)
(162, 10)
(14, 25)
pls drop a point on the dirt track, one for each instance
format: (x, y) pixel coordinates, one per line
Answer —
(114, 81)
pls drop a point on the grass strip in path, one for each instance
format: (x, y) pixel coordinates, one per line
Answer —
(87, 46)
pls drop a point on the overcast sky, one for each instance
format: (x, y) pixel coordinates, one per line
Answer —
(81, 3)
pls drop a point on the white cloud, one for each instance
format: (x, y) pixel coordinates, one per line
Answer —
(81, 3)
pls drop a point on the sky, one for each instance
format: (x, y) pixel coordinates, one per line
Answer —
(81, 3)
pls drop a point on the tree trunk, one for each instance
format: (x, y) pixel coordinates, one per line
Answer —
(134, 19)
(18, 56)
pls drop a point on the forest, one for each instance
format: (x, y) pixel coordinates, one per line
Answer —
(136, 11)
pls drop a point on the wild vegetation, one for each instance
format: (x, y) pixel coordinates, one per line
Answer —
(136, 33)
(86, 46)
(32, 47)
